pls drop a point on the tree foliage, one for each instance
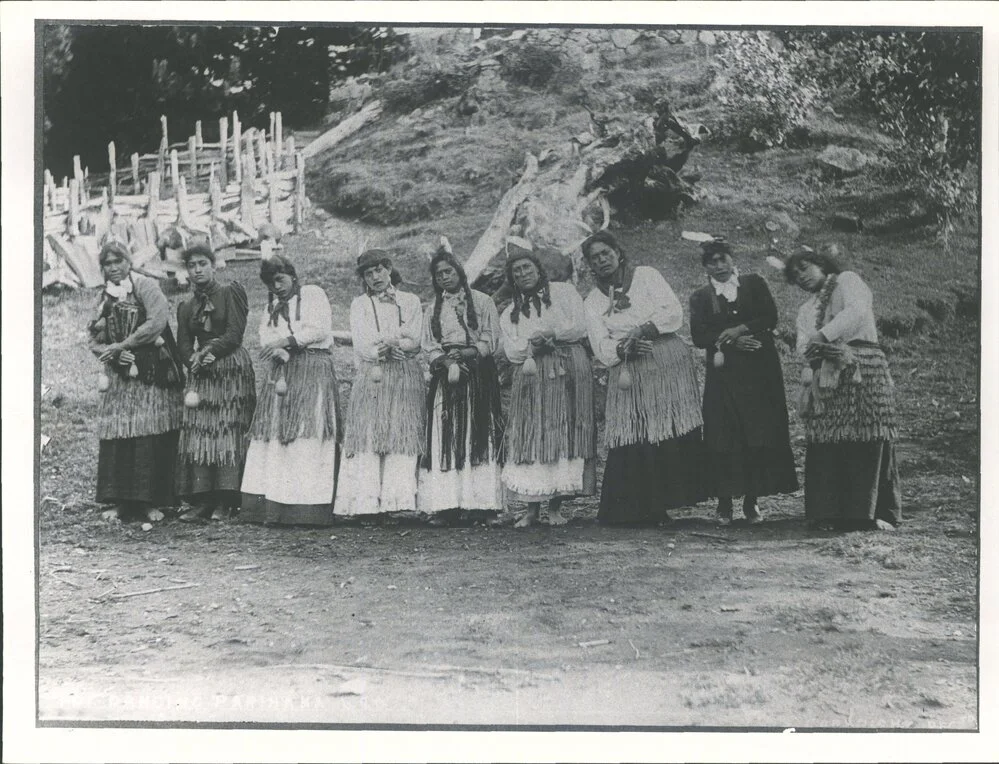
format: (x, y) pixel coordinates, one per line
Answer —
(106, 82)
(924, 87)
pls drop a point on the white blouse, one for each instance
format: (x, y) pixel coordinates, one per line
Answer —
(850, 313)
(372, 321)
(313, 329)
(485, 338)
(651, 299)
(566, 318)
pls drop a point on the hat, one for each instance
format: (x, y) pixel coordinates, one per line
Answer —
(371, 258)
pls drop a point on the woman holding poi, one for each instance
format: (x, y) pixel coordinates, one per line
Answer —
(386, 418)
(142, 381)
(461, 460)
(653, 410)
(551, 433)
(847, 400)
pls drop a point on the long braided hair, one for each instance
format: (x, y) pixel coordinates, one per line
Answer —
(522, 302)
(471, 320)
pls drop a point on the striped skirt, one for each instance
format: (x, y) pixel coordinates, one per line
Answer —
(387, 416)
(663, 401)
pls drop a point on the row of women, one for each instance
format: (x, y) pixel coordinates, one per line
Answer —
(439, 447)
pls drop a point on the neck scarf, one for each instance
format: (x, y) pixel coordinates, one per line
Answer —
(824, 296)
(616, 288)
(203, 305)
(457, 302)
(279, 308)
(387, 295)
(119, 291)
(727, 289)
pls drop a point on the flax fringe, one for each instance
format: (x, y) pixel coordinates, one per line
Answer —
(664, 401)
(863, 411)
(133, 409)
(551, 413)
(312, 383)
(387, 417)
(215, 432)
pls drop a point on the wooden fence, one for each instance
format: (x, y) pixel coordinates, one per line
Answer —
(224, 191)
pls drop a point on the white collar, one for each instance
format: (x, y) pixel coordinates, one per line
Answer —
(119, 291)
(727, 289)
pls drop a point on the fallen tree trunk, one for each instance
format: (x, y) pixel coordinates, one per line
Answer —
(344, 130)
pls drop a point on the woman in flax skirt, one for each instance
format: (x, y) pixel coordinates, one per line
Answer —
(291, 466)
(139, 414)
(653, 411)
(550, 435)
(221, 390)
(461, 461)
(386, 419)
(847, 401)
(745, 411)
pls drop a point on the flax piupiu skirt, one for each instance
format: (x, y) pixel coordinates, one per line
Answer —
(215, 434)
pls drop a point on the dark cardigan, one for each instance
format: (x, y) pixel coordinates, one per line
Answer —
(228, 322)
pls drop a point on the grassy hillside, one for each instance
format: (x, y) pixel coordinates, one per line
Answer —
(417, 174)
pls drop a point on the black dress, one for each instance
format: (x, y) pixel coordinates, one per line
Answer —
(745, 408)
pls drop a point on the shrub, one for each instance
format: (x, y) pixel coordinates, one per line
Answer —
(532, 64)
(763, 92)
(426, 83)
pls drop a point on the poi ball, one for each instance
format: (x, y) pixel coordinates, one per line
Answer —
(376, 373)
(719, 359)
(191, 399)
(530, 368)
(133, 371)
(806, 375)
(624, 381)
(158, 342)
(281, 387)
(453, 374)
(103, 382)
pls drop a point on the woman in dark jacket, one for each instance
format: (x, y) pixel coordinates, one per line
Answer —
(222, 389)
(745, 409)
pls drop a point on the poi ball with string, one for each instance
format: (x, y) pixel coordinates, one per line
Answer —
(453, 374)
(103, 382)
(191, 399)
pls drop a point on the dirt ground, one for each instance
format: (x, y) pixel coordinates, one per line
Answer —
(692, 625)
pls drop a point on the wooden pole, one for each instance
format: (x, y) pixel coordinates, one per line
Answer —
(72, 216)
(112, 172)
(163, 124)
(135, 173)
(181, 194)
(197, 133)
(78, 177)
(85, 186)
(299, 200)
(224, 150)
(174, 170)
(49, 191)
(278, 141)
(273, 121)
(161, 165)
(153, 185)
(246, 195)
(215, 194)
(262, 153)
(192, 167)
(272, 190)
(237, 147)
(289, 152)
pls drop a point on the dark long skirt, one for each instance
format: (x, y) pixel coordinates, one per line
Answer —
(752, 472)
(260, 509)
(851, 485)
(643, 480)
(137, 470)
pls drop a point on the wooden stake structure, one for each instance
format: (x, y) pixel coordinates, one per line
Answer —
(161, 164)
(197, 134)
(237, 147)
(163, 124)
(154, 194)
(278, 137)
(112, 171)
(272, 192)
(289, 151)
(72, 216)
(215, 193)
(182, 216)
(192, 167)
(135, 173)
(298, 202)
(224, 151)
(262, 165)
(49, 191)
(174, 170)
(270, 132)
(246, 195)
